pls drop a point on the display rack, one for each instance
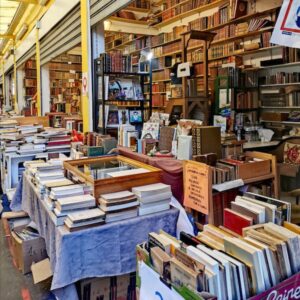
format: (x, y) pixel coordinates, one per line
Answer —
(102, 102)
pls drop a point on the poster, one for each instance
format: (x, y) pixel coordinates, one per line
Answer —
(287, 28)
(152, 288)
(197, 186)
(84, 84)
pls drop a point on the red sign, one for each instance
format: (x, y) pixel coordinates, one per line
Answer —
(289, 289)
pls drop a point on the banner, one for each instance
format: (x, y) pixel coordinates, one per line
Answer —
(286, 290)
(287, 28)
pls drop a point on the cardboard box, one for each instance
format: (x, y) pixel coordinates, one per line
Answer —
(27, 252)
(108, 288)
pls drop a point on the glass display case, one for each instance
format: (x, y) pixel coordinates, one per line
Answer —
(110, 174)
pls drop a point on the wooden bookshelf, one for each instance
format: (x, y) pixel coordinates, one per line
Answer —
(30, 87)
(65, 84)
(190, 13)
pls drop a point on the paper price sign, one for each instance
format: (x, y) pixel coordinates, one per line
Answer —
(197, 186)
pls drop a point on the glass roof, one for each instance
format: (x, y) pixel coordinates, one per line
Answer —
(7, 11)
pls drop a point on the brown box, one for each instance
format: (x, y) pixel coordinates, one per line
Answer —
(274, 116)
(27, 252)
(108, 288)
(254, 169)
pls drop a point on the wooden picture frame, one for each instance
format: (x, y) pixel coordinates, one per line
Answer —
(113, 184)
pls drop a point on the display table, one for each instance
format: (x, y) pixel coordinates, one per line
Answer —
(259, 145)
(106, 250)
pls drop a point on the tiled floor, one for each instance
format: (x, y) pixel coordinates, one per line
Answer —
(13, 284)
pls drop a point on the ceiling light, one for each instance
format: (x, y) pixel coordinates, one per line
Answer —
(22, 32)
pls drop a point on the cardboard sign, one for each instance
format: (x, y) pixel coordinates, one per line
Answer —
(287, 28)
(197, 186)
(152, 288)
(288, 289)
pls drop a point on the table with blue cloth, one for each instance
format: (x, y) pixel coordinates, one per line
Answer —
(106, 250)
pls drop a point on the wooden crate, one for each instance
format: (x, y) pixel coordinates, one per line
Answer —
(254, 169)
(113, 184)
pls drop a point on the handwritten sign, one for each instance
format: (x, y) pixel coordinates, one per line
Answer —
(197, 186)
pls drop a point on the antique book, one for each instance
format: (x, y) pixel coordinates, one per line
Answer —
(167, 135)
(160, 261)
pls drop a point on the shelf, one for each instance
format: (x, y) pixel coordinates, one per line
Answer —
(171, 7)
(167, 43)
(280, 107)
(279, 84)
(145, 100)
(190, 13)
(137, 9)
(281, 122)
(290, 64)
(241, 36)
(244, 18)
(122, 73)
(260, 178)
(259, 50)
(168, 54)
(161, 80)
(128, 21)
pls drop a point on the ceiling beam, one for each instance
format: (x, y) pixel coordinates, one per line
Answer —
(6, 36)
(26, 1)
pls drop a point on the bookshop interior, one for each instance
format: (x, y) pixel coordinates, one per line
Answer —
(149, 149)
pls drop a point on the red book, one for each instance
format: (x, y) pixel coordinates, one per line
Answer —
(235, 221)
(59, 143)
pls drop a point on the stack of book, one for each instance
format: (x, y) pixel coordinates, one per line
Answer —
(153, 198)
(68, 205)
(65, 190)
(84, 219)
(224, 264)
(248, 210)
(119, 206)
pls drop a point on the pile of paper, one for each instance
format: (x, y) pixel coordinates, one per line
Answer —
(153, 198)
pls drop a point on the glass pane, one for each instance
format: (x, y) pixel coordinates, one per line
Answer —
(102, 169)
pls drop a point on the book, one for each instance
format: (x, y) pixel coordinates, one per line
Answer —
(250, 256)
(120, 215)
(151, 189)
(75, 202)
(235, 221)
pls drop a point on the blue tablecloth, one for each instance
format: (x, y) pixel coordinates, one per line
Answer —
(101, 251)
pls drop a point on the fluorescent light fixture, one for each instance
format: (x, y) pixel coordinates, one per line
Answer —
(43, 2)
(107, 24)
(22, 32)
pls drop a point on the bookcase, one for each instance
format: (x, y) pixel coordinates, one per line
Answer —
(240, 38)
(30, 87)
(65, 84)
(120, 95)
